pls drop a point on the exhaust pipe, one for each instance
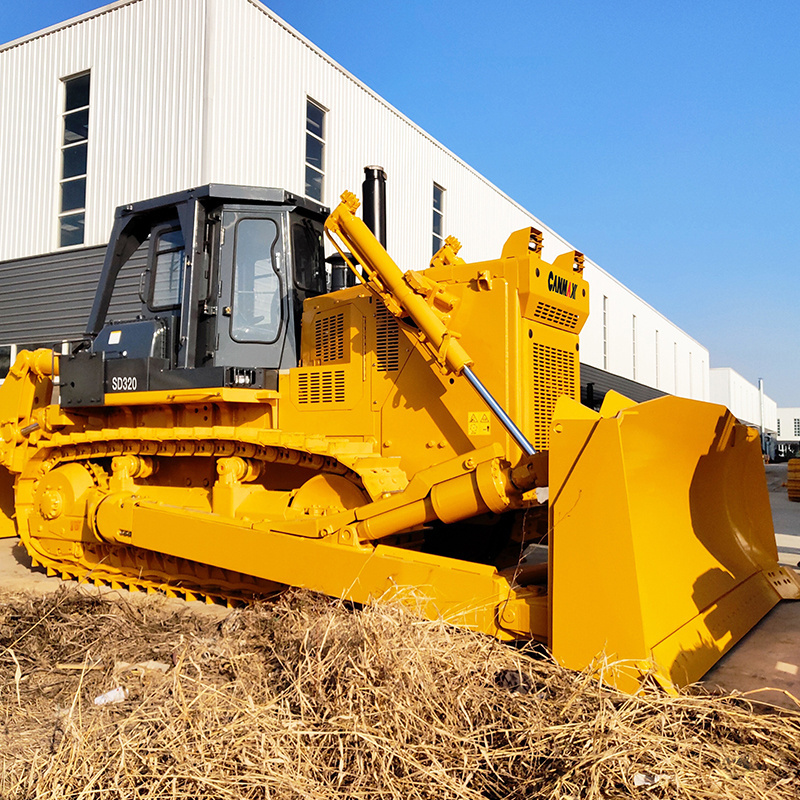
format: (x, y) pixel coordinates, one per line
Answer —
(374, 193)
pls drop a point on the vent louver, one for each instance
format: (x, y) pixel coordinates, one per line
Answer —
(553, 376)
(387, 340)
(556, 316)
(324, 386)
(329, 338)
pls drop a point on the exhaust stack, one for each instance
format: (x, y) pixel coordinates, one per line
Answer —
(374, 210)
(374, 193)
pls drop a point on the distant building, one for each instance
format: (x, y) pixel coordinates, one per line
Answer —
(748, 404)
(788, 432)
(744, 400)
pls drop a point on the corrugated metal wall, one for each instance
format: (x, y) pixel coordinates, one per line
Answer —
(743, 399)
(186, 92)
(602, 382)
(48, 298)
(256, 133)
(666, 357)
(145, 132)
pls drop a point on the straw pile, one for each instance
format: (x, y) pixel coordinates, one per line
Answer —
(305, 698)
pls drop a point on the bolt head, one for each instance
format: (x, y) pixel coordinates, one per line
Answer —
(51, 504)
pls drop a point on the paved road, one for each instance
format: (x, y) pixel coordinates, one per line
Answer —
(785, 515)
(769, 656)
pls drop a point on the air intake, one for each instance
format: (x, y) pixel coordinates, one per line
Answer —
(554, 373)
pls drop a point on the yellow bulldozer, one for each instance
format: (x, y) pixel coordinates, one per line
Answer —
(411, 435)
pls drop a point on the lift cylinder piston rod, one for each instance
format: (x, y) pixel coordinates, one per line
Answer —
(516, 434)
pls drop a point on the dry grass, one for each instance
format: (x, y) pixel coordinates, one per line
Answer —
(307, 699)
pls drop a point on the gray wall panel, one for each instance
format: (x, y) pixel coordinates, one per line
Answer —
(603, 381)
(48, 298)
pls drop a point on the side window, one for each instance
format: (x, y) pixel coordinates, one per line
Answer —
(309, 258)
(438, 218)
(167, 257)
(315, 149)
(256, 309)
(74, 158)
(8, 354)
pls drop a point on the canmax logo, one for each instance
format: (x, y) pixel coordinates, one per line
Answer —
(561, 286)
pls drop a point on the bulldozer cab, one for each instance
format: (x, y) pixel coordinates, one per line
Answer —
(220, 299)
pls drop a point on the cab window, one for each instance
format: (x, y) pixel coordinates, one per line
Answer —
(309, 258)
(168, 255)
(256, 313)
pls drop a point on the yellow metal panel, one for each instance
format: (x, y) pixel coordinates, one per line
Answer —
(659, 515)
(696, 646)
(613, 403)
(593, 579)
(177, 396)
(471, 595)
(7, 526)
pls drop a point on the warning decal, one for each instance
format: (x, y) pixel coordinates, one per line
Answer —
(479, 423)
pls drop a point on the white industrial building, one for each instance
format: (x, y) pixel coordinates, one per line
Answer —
(746, 401)
(145, 97)
(788, 430)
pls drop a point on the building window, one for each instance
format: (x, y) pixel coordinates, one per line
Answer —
(797, 427)
(315, 150)
(438, 217)
(658, 371)
(675, 364)
(779, 427)
(74, 153)
(605, 333)
(702, 380)
(633, 340)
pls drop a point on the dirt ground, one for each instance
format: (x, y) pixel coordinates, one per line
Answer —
(16, 573)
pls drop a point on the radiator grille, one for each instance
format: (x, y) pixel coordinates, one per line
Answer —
(556, 316)
(387, 340)
(329, 338)
(553, 376)
(325, 386)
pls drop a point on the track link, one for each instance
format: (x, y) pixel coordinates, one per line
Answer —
(122, 567)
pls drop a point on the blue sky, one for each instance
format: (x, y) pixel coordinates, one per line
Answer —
(661, 139)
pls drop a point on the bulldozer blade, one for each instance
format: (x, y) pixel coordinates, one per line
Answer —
(662, 547)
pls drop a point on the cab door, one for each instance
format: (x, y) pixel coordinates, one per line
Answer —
(254, 315)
